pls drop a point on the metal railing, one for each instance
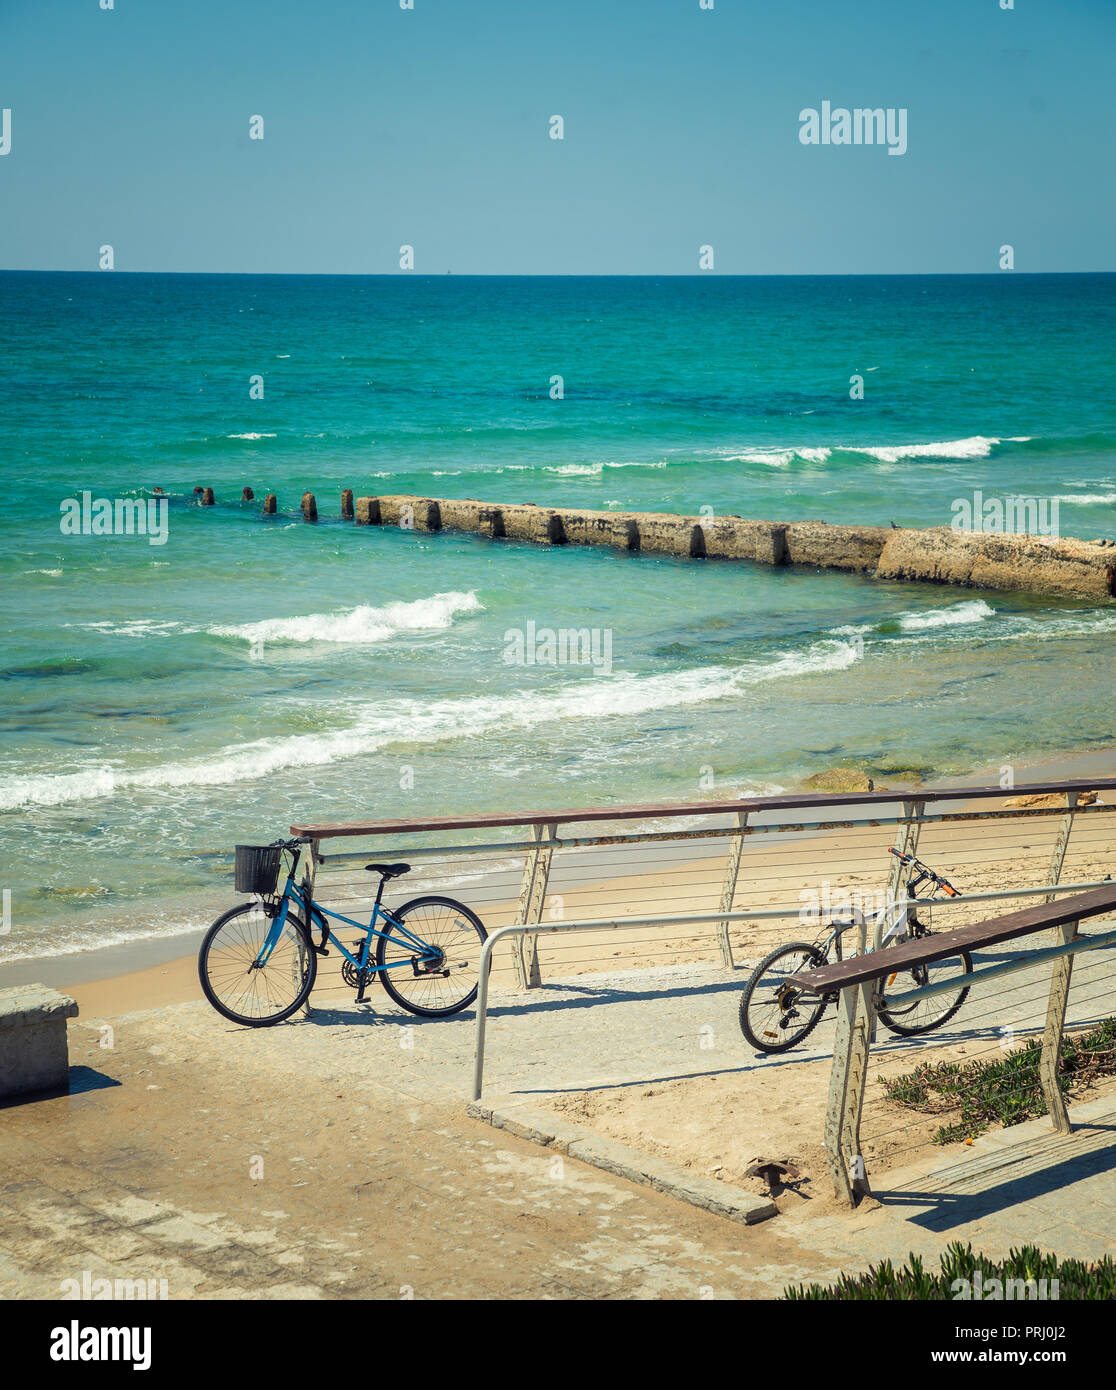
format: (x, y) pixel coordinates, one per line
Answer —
(743, 853)
(675, 919)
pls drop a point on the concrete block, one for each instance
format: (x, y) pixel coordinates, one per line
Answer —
(733, 538)
(34, 1051)
(663, 534)
(584, 527)
(524, 522)
(855, 548)
(411, 513)
(467, 514)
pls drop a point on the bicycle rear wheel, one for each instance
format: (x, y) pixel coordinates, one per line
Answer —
(236, 987)
(924, 1015)
(775, 1015)
(440, 976)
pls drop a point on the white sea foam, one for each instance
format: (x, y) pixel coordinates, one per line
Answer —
(53, 573)
(69, 941)
(388, 722)
(577, 470)
(974, 447)
(359, 626)
(977, 446)
(954, 615)
(1078, 499)
(137, 627)
(1013, 627)
(594, 470)
(251, 435)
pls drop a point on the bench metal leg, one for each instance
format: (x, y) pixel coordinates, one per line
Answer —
(1052, 1038)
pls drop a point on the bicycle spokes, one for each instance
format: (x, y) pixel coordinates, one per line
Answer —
(245, 981)
(775, 1012)
(429, 956)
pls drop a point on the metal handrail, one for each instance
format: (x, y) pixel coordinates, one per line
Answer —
(716, 832)
(751, 805)
(683, 919)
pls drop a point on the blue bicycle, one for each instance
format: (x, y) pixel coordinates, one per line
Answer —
(258, 962)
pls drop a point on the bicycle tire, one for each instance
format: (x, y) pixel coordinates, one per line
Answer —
(906, 1030)
(393, 938)
(210, 989)
(756, 1035)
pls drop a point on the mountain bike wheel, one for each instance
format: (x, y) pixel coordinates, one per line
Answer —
(440, 977)
(256, 998)
(774, 1015)
(923, 1015)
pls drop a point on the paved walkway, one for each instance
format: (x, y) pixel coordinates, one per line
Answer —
(333, 1157)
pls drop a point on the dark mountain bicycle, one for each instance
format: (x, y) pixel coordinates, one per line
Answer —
(258, 962)
(776, 1015)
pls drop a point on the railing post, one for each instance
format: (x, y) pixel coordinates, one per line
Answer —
(532, 896)
(906, 842)
(1060, 973)
(728, 889)
(309, 875)
(1061, 844)
(855, 1014)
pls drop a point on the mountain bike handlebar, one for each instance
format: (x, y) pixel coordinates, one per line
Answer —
(924, 871)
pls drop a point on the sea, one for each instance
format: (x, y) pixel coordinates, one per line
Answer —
(166, 698)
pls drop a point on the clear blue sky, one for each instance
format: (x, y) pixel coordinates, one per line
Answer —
(385, 126)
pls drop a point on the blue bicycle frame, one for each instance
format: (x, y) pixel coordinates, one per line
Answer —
(316, 916)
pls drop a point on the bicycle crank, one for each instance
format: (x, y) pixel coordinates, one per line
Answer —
(353, 975)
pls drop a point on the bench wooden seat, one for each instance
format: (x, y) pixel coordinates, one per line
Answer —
(920, 950)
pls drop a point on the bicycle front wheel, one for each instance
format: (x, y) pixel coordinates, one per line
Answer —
(923, 1015)
(244, 992)
(429, 956)
(775, 1014)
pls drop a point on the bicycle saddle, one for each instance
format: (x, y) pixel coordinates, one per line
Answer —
(389, 870)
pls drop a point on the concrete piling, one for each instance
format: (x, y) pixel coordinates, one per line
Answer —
(247, 495)
(207, 497)
(270, 504)
(309, 507)
(346, 504)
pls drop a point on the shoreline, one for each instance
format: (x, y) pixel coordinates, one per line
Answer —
(159, 971)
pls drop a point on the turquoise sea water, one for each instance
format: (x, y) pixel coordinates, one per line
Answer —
(163, 702)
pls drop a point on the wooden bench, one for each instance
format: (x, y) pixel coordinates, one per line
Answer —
(858, 970)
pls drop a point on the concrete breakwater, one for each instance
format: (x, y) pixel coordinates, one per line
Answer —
(1036, 564)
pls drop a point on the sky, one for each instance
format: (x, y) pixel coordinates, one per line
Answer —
(430, 127)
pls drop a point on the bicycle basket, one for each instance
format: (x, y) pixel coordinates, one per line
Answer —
(257, 868)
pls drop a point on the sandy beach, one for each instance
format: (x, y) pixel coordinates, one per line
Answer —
(775, 871)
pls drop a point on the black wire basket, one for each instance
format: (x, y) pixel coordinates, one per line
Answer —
(257, 868)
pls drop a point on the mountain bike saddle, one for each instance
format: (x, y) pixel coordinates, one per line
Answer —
(389, 870)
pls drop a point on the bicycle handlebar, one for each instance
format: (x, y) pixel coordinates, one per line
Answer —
(927, 871)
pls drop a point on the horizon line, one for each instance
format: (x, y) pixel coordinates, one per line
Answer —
(566, 275)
